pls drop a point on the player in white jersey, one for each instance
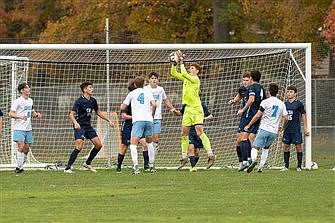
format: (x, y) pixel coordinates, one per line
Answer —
(160, 98)
(143, 107)
(271, 112)
(22, 111)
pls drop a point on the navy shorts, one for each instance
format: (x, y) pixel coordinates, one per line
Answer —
(126, 134)
(85, 132)
(292, 138)
(245, 121)
(195, 140)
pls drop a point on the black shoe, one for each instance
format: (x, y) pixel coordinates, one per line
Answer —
(118, 169)
(18, 170)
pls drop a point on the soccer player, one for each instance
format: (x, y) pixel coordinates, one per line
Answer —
(271, 111)
(22, 111)
(292, 132)
(241, 95)
(256, 94)
(160, 97)
(193, 114)
(195, 143)
(80, 116)
(1, 122)
(143, 107)
(126, 126)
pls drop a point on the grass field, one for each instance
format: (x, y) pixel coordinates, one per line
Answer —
(168, 196)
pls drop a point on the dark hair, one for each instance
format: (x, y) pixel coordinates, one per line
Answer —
(84, 85)
(256, 75)
(139, 82)
(153, 74)
(21, 86)
(131, 85)
(197, 66)
(273, 89)
(293, 88)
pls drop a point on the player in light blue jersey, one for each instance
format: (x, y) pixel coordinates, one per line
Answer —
(270, 113)
(292, 132)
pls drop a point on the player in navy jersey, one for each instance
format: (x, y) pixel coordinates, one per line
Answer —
(1, 122)
(292, 132)
(241, 95)
(126, 127)
(80, 116)
(195, 143)
(256, 94)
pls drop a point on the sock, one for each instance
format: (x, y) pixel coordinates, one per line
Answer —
(184, 144)
(93, 153)
(254, 153)
(133, 153)
(287, 159)
(299, 159)
(120, 158)
(205, 141)
(151, 153)
(73, 158)
(196, 159)
(244, 150)
(192, 161)
(239, 155)
(264, 157)
(249, 148)
(145, 159)
(20, 159)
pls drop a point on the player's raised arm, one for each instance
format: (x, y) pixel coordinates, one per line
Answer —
(175, 73)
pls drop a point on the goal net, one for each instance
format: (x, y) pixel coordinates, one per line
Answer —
(55, 72)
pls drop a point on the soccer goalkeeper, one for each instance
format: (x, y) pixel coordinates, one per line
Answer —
(193, 114)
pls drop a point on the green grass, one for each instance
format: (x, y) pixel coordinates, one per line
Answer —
(168, 196)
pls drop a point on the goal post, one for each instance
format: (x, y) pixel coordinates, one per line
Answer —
(55, 72)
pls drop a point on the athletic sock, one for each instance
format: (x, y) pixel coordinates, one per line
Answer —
(133, 153)
(205, 141)
(184, 144)
(249, 148)
(151, 153)
(299, 159)
(239, 154)
(73, 157)
(120, 158)
(192, 161)
(287, 159)
(244, 145)
(93, 154)
(264, 157)
(20, 159)
(254, 153)
(145, 159)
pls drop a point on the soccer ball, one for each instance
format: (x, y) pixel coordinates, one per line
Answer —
(173, 57)
(314, 166)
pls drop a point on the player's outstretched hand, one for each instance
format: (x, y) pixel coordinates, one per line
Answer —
(181, 55)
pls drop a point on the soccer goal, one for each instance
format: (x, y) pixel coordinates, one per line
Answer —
(55, 72)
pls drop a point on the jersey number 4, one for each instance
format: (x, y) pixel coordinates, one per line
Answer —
(140, 98)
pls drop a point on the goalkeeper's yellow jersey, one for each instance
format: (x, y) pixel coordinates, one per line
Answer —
(191, 86)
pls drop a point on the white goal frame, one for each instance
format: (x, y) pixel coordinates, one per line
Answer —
(306, 73)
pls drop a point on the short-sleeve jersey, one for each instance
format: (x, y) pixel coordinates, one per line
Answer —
(273, 110)
(140, 104)
(159, 95)
(191, 86)
(258, 92)
(22, 106)
(1, 114)
(243, 92)
(84, 108)
(294, 110)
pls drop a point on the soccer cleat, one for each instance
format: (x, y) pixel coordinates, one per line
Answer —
(284, 169)
(211, 160)
(152, 170)
(245, 166)
(146, 169)
(259, 171)
(118, 169)
(89, 167)
(18, 170)
(193, 169)
(252, 166)
(298, 169)
(183, 162)
(68, 171)
(135, 170)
